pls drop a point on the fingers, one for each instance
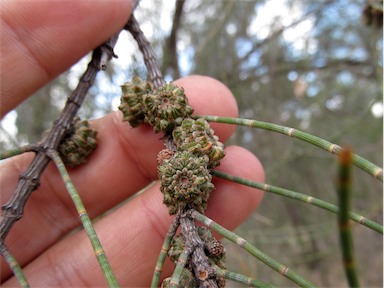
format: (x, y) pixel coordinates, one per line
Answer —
(133, 234)
(123, 163)
(41, 39)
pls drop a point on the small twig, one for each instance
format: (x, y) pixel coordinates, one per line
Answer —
(107, 51)
(155, 75)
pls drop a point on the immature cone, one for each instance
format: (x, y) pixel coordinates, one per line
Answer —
(163, 155)
(197, 137)
(131, 100)
(185, 181)
(166, 107)
(78, 143)
(214, 248)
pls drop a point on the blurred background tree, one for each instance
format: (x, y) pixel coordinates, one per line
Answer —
(311, 65)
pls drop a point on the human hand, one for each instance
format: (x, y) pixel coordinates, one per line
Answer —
(45, 39)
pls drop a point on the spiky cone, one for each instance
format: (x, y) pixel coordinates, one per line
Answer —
(197, 137)
(131, 100)
(166, 107)
(78, 143)
(185, 181)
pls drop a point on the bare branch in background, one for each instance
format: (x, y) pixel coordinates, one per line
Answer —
(170, 56)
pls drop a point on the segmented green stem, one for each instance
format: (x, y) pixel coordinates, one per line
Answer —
(164, 250)
(85, 220)
(14, 265)
(345, 231)
(301, 197)
(18, 151)
(250, 282)
(282, 269)
(357, 160)
(239, 278)
(181, 262)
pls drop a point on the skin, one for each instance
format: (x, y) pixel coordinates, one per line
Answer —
(123, 163)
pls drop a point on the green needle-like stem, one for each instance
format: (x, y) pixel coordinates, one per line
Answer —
(357, 160)
(15, 267)
(301, 197)
(164, 250)
(181, 262)
(269, 261)
(85, 220)
(18, 151)
(239, 278)
(345, 231)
